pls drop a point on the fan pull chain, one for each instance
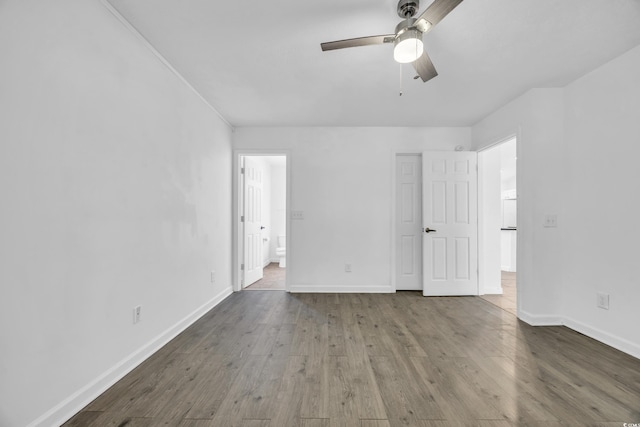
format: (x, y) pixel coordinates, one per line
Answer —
(400, 66)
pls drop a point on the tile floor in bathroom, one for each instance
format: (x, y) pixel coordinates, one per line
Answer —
(273, 279)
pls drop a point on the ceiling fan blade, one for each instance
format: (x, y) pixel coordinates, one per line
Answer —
(360, 41)
(424, 67)
(435, 13)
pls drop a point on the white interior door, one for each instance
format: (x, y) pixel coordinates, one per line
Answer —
(253, 181)
(408, 222)
(450, 221)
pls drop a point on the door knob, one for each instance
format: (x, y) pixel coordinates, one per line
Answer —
(429, 230)
(262, 228)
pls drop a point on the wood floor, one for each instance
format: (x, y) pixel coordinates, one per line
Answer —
(508, 300)
(273, 359)
(273, 278)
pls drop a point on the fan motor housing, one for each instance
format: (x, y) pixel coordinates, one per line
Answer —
(408, 8)
(406, 25)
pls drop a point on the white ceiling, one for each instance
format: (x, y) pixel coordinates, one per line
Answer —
(259, 62)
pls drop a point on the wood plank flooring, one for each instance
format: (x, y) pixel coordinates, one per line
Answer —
(508, 300)
(273, 359)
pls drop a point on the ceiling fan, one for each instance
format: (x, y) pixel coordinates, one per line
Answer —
(407, 38)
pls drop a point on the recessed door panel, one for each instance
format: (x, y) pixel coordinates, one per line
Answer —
(408, 203)
(408, 255)
(462, 202)
(438, 167)
(462, 258)
(439, 259)
(439, 202)
(461, 167)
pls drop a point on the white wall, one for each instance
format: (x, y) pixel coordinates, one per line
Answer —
(599, 222)
(341, 178)
(115, 181)
(489, 221)
(537, 119)
(577, 149)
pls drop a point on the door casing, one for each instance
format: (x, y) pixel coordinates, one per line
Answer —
(236, 196)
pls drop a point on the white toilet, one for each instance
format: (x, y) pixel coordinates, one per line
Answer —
(281, 251)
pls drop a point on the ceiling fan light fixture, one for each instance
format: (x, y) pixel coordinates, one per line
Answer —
(408, 47)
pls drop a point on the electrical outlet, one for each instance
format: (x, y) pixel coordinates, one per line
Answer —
(213, 276)
(347, 268)
(603, 300)
(137, 312)
(551, 221)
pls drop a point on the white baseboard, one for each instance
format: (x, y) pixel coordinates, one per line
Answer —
(78, 400)
(493, 291)
(341, 289)
(271, 261)
(614, 341)
(604, 337)
(540, 320)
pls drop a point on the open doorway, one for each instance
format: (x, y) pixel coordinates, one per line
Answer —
(498, 206)
(262, 222)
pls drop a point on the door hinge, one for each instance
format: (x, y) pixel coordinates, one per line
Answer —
(242, 218)
(242, 171)
(242, 267)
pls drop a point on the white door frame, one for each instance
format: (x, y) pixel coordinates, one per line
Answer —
(236, 197)
(481, 216)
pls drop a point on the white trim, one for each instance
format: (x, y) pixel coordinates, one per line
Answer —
(611, 340)
(158, 55)
(493, 291)
(81, 398)
(392, 264)
(614, 341)
(540, 320)
(275, 260)
(517, 135)
(342, 289)
(235, 196)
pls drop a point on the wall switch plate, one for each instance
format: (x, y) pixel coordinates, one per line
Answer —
(551, 221)
(297, 215)
(137, 312)
(603, 300)
(347, 268)
(213, 276)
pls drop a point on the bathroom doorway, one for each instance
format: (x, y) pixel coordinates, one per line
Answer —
(261, 221)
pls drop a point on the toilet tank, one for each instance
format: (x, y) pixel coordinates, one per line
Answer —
(282, 241)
